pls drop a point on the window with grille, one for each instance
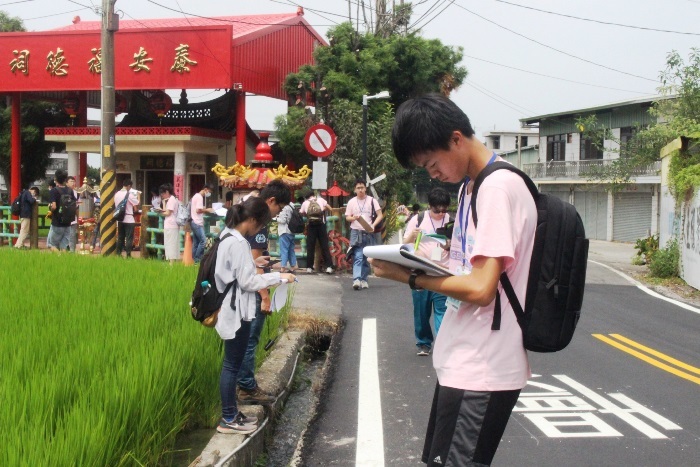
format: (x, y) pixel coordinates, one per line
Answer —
(556, 145)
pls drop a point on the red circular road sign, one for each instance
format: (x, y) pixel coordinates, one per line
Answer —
(320, 140)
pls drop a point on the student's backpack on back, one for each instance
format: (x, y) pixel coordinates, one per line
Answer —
(182, 216)
(557, 270)
(314, 212)
(296, 221)
(120, 210)
(17, 205)
(67, 206)
(206, 298)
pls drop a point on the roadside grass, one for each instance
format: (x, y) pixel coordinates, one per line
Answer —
(101, 361)
(678, 285)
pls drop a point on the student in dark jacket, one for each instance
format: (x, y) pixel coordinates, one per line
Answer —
(26, 204)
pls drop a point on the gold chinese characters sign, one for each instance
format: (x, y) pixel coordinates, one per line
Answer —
(167, 58)
(57, 65)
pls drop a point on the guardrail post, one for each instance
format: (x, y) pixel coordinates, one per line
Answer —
(34, 227)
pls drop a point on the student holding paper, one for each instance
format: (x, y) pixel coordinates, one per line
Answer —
(426, 302)
(480, 370)
(361, 207)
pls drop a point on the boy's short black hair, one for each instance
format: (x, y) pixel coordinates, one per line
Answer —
(438, 197)
(61, 176)
(278, 190)
(359, 181)
(424, 124)
(209, 186)
(166, 187)
(127, 182)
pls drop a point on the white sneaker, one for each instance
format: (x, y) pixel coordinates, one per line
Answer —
(329, 270)
(364, 284)
(309, 270)
(356, 284)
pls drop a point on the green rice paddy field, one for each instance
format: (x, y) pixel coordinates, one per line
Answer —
(101, 361)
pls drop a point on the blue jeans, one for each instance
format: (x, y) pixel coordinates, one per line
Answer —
(287, 255)
(360, 239)
(234, 350)
(425, 302)
(246, 375)
(199, 241)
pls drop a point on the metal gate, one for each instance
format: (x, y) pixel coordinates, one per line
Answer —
(592, 206)
(631, 216)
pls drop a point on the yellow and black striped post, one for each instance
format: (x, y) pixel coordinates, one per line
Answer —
(108, 226)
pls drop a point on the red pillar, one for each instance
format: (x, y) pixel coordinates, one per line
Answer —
(82, 121)
(16, 143)
(240, 127)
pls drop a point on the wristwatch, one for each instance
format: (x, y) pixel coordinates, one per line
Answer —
(412, 280)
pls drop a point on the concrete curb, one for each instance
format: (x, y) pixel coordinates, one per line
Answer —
(274, 375)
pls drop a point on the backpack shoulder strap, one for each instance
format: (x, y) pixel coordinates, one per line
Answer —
(488, 170)
(421, 215)
(505, 282)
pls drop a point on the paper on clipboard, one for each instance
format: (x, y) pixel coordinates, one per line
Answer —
(365, 225)
(404, 255)
(279, 297)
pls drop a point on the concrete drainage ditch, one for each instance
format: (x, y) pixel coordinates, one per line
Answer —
(296, 369)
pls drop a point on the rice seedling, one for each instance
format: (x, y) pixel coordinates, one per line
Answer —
(101, 362)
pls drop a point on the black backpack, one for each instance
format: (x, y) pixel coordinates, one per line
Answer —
(17, 204)
(557, 270)
(206, 298)
(120, 210)
(296, 221)
(67, 206)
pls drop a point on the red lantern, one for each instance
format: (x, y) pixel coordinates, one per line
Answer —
(160, 103)
(71, 104)
(120, 104)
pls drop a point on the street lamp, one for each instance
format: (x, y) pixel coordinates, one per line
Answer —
(365, 98)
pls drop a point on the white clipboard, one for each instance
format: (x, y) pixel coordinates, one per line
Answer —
(404, 256)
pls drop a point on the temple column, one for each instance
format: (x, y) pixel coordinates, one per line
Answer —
(74, 167)
(240, 127)
(179, 175)
(82, 121)
(16, 144)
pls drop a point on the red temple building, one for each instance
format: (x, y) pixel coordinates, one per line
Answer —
(157, 140)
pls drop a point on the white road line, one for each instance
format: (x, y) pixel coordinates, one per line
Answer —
(370, 434)
(643, 288)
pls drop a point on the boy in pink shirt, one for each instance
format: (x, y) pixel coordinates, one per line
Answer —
(480, 371)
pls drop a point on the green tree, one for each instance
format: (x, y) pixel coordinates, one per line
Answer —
(677, 114)
(35, 116)
(357, 64)
(10, 24)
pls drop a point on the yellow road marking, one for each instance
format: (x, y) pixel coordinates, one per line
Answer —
(647, 359)
(657, 354)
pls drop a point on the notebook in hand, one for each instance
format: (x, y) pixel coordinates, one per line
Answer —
(404, 255)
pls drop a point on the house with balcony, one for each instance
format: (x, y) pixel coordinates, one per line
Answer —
(566, 161)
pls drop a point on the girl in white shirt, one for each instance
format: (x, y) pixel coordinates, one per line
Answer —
(234, 261)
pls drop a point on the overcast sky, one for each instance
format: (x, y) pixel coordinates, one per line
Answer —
(495, 95)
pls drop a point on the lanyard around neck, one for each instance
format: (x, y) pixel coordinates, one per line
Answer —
(464, 221)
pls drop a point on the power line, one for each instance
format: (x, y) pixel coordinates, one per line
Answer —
(434, 6)
(317, 12)
(437, 14)
(224, 20)
(552, 77)
(18, 1)
(56, 14)
(598, 21)
(502, 100)
(553, 48)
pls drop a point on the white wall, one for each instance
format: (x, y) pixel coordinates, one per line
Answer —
(690, 242)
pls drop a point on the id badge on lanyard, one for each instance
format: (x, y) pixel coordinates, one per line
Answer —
(465, 268)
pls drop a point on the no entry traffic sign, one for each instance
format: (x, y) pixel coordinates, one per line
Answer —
(320, 140)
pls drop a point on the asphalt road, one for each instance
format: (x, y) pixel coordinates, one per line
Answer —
(625, 392)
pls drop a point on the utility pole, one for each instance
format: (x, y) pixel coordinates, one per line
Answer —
(108, 227)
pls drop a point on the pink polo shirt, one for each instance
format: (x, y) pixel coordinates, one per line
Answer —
(468, 354)
(171, 205)
(362, 208)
